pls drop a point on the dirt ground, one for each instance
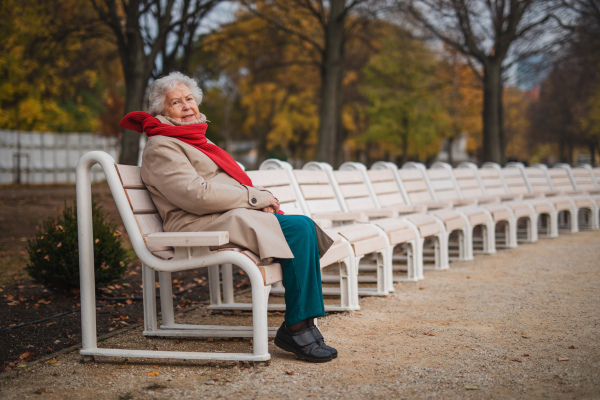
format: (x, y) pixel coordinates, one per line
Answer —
(523, 323)
(36, 321)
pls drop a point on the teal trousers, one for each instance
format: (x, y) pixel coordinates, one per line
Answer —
(301, 274)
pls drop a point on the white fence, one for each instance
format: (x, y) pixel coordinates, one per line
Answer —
(35, 157)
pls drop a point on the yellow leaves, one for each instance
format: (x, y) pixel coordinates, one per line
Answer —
(45, 64)
(155, 373)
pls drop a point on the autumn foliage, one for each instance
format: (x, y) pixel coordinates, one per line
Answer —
(54, 254)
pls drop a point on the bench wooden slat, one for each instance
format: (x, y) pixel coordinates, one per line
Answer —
(354, 190)
(285, 194)
(313, 192)
(149, 223)
(311, 176)
(269, 178)
(140, 201)
(187, 239)
(130, 175)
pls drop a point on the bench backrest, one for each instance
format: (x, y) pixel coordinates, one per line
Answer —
(317, 191)
(583, 179)
(354, 189)
(277, 181)
(146, 215)
(386, 188)
(560, 179)
(416, 187)
(515, 181)
(468, 183)
(596, 173)
(537, 180)
(443, 184)
(491, 179)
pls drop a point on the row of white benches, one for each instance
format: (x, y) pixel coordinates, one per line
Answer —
(388, 223)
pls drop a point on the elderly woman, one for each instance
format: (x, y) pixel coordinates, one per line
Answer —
(196, 186)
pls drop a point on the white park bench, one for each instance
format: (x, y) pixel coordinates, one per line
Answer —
(164, 252)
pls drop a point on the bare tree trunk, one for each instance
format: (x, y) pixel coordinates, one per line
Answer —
(134, 101)
(493, 132)
(450, 144)
(405, 136)
(331, 75)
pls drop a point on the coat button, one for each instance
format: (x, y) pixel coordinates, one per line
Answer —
(254, 200)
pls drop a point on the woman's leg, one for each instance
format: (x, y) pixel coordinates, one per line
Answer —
(301, 274)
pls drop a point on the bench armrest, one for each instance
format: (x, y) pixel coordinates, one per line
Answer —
(407, 209)
(380, 213)
(488, 199)
(323, 223)
(343, 216)
(510, 197)
(439, 205)
(464, 202)
(187, 239)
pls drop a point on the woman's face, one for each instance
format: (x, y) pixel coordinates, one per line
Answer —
(181, 105)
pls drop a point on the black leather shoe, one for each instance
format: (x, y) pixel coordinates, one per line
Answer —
(303, 344)
(319, 338)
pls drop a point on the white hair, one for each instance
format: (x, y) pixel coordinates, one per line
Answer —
(162, 86)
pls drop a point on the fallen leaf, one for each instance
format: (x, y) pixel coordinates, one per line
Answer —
(43, 301)
(563, 359)
(516, 360)
(53, 361)
(421, 287)
(155, 366)
(155, 373)
(525, 337)
(525, 355)
(573, 347)
(428, 333)
(290, 372)
(468, 277)
(41, 390)
(470, 387)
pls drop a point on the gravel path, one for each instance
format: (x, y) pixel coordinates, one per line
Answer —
(524, 323)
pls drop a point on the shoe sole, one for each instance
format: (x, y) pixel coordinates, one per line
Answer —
(285, 347)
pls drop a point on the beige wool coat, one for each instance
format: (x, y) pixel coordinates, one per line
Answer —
(192, 194)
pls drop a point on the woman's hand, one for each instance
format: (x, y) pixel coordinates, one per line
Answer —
(273, 206)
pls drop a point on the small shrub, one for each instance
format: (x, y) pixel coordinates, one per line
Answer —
(54, 255)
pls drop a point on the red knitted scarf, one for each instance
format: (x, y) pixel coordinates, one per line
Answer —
(194, 135)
